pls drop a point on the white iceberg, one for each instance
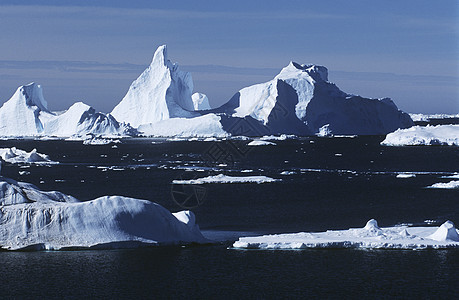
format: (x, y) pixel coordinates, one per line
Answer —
(369, 237)
(161, 92)
(37, 220)
(26, 114)
(300, 100)
(227, 179)
(14, 156)
(200, 101)
(420, 135)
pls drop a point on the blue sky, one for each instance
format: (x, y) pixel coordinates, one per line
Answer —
(92, 50)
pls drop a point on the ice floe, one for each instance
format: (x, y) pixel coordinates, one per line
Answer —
(369, 237)
(261, 143)
(227, 179)
(453, 184)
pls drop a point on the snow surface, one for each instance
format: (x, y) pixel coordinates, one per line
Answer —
(37, 220)
(227, 179)
(161, 92)
(204, 126)
(26, 114)
(420, 135)
(14, 156)
(369, 237)
(261, 143)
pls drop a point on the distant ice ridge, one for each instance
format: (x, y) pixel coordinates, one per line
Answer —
(37, 220)
(227, 179)
(14, 156)
(428, 135)
(423, 117)
(369, 237)
(26, 114)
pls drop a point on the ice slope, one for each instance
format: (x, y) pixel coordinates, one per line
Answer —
(369, 237)
(161, 92)
(19, 116)
(82, 119)
(32, 219)
(428, 135)
(14, 156)
(314, 104)
(26, 114)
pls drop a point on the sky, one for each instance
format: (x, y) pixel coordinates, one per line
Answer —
(91, 51)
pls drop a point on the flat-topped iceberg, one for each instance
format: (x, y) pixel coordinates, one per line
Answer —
(37, 220)
(369, 237)
(428, 135)
(14, 156)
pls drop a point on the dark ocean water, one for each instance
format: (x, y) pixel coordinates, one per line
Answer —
(333, 183)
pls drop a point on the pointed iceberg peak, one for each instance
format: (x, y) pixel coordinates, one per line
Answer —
(32, 93)
(160, 56)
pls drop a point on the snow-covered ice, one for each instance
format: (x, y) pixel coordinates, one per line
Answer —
(261, 143)
(37, 220)
(220, 178)
(406, 175)
(420, 135)
(369, 237)
(14, 156)
(203, 126)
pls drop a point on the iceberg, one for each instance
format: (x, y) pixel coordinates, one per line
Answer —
(161, 92)
(36, 220)
(369, 237)
(420, 135)
(26, 114)
(227, 179)
(200, 101)
(300, 100)
(14, 156)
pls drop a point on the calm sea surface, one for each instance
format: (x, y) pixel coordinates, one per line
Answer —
(327, 183)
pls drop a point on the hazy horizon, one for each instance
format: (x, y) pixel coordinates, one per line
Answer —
(91, 51)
